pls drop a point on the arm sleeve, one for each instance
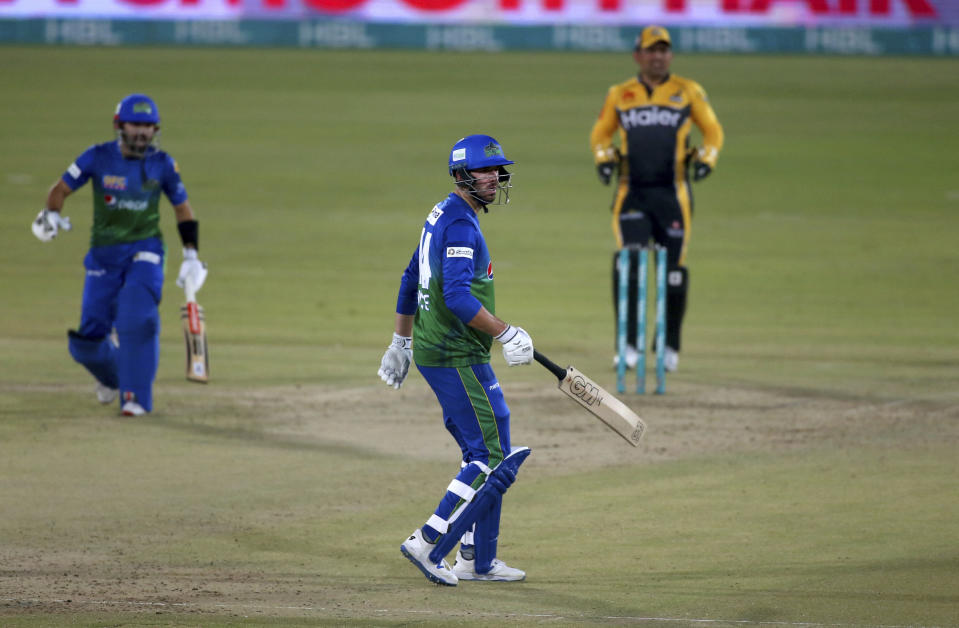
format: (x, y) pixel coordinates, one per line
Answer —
(172, 185)
(705, 118)
(601, 137)
(81, 169)
(406, 301)
(459, 249)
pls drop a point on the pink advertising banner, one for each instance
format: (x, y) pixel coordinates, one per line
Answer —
(753, 13)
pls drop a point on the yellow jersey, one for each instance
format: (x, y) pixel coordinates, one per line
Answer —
(654, 125)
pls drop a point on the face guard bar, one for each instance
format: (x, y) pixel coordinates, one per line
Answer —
(137, 145)
(504, 184)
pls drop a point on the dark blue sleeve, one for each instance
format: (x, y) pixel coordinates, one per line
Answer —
(458, 270)
(81, 169)
(406, 300)
(172, 185)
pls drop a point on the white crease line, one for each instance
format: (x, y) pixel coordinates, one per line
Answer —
(745, 622)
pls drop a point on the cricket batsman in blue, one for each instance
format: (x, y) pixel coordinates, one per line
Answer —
(445, 323)
(125, 263)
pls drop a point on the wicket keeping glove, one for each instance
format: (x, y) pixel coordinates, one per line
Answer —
(701, 170)
(517, 346)
(605, 171)
(47, 223)
(396, 361)
(193, 269)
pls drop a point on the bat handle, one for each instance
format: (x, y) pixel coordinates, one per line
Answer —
(189, 290)
(551, 366)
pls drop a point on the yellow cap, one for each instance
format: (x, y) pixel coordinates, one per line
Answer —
(652, 35)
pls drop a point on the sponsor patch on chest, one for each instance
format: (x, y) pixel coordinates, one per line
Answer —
(114, 182)
(650, 116)
(112, 202)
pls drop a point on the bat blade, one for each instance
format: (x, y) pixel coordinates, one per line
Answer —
(194, 332)
(603, 405)
(594, 398)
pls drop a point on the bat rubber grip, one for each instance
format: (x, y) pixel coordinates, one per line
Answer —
(551, 366)
(193, 317)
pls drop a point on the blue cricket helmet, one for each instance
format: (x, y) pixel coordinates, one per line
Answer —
(476, 151)
(138, 108)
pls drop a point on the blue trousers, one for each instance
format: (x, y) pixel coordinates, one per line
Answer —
(122, 291)
(474, 410)
(476, 415)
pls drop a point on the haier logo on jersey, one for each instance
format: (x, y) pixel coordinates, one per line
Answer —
(113, 182)
(651, 116)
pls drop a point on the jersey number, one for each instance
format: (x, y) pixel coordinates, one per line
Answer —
(425, 272)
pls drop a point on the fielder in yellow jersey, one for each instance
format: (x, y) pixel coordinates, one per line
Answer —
(654, 113)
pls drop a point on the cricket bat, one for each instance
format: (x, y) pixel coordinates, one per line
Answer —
(194, 330)
(605, 407)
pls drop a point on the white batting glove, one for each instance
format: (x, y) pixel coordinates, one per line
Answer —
(193, 269)
(47, 223)
(517, 346)
(396, 361)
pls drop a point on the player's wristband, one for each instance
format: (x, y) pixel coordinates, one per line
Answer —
(402, 342)
(189, 232)
(507, 334)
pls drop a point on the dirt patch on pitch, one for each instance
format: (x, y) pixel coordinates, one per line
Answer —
(693, 420)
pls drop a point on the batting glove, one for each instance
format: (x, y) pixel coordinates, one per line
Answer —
(396, 361)
(47, 223)
(605, 171)
(192, 269)
(517, 346)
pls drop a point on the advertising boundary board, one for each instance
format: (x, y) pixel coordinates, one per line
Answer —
(348, 34)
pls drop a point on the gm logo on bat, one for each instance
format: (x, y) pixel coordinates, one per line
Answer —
(585, 391)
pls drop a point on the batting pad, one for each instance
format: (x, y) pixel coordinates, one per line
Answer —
(499, 480)
(486, 536)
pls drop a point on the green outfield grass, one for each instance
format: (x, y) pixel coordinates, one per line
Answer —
(801, 469)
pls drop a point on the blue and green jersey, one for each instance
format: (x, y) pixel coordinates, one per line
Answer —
(448, 280)
(126, 192)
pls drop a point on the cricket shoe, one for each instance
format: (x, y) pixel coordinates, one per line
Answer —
(418, 549)
(632, 358)
(130, 406)
(499, 572)
(105, 394)
(671, 359)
